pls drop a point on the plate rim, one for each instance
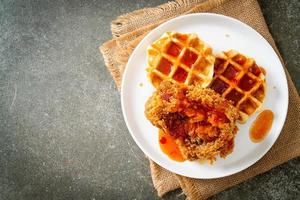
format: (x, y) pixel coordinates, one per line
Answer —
(172, 21)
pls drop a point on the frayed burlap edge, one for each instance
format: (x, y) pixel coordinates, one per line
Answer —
(136, 19)
(107, 51)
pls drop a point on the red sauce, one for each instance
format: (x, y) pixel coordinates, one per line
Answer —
(175, 125)
(234, 96)
(218, 116)
(230, 72)
(261, 126)
(189, 58)
(164, 66)
(174, 50)
(219, 86)
(246, 83)
(182, 37)
(254, 69)
(234, 80)
(169, 147)
(219, 64)
(180, 75)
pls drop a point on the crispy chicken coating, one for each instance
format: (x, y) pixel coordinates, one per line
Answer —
(201, 121)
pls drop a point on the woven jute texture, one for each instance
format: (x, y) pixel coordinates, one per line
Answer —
(129, 29)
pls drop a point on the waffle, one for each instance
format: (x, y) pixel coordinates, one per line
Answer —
(240, 80)
(180, 58)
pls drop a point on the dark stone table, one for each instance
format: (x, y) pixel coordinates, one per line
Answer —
(62, 134)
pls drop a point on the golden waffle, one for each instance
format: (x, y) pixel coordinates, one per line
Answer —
(240, 80)
(180, 58)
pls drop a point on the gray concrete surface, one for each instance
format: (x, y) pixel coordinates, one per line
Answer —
(62, 134)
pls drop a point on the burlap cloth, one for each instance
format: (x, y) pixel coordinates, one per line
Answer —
(129, 29)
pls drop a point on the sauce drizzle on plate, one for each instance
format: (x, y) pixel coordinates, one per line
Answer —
(169, 147)
(261, 126)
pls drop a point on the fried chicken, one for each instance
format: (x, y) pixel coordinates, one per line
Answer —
(201, 121)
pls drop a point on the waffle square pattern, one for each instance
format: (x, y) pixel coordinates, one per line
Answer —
(180, 58)
(240, 80)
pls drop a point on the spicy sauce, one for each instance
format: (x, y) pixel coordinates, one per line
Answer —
(261, 126)
(189, 58)
(164, 66)
(174, 49)
(169, 147)
(180, 75)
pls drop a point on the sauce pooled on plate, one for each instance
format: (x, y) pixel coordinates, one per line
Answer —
(261, 126)
(169, 147)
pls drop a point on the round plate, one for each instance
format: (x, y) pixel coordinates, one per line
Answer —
(222, 33)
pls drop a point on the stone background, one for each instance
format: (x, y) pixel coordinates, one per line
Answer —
(62, 134)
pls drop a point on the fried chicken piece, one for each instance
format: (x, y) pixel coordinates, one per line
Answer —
(201, 121)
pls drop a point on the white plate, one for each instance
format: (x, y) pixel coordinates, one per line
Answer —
(222, 33)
